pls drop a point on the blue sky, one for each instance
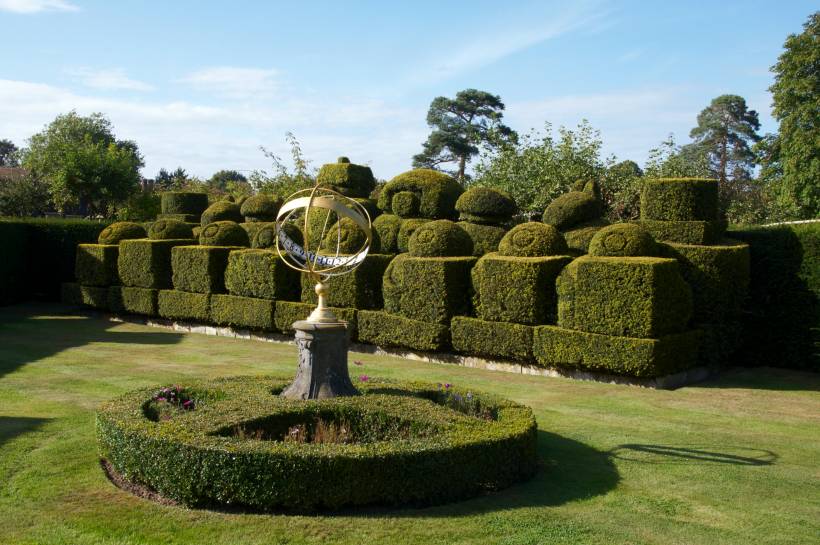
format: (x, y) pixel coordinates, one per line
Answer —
(203, 84)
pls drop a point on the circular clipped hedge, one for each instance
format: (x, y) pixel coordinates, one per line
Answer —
(407, 227)
(265, 236)
(386, 227)
(223, 233)
(438, 192)
(236, 442)
(572, 208)
(183, 202)
(345, 234)
(533, 240)
(121, 230)
(405, 204)
(170, 229)
(623, 240)
(485, 205)
(222, 211)
(440, 238)
(260, 208)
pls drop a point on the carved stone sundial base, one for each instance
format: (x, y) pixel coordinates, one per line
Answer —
(322, 371)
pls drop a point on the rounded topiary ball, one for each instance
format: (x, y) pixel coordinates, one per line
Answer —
(170, 229)
(405, 204)
(260, 208)
(533, 240)
(485, 205)
(440, 238)
(347, 235)
(623, 240)
(222, 211)
(571, 209)
(407, 227)
(265, 236)
(122, 230)
(223, 233)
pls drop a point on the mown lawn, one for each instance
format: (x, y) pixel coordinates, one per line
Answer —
(732, 460)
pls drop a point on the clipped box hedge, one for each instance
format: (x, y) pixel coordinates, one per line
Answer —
(192, 219)
(428, 289)
(643, 297)
(244, 312)
(437, 192)
(384, 329)
(516, 289)
(502, 340)
(262, 274)
(146, 263)
(200, 269)
(287, 312)
(686, 232)
(485, 237)
(128, 300)
(559, 347)
(680, 199)
(183, 202)
(72, 293)
(96, 264)
(183, 305)
(361, 289)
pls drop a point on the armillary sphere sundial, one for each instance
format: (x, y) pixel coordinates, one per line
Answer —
(322, 337)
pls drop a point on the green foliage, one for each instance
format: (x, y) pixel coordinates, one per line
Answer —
(623, 240)
(516, 289)
(9, 153)
(541, 167)
(283, 182)
(205, 458)
(492, 339)
(223, 233)
(183, 305)
(345, 236)
(222, 211)
(440, 238)
(90, 296)
(406, 229)
(163, 229)
(384, 329)
(621, 191)
(184, 202)
(121, 230)
(686, 232)
(405, 204)
(386, 230)
(437, 192)
(669, 160)
(571, 209)
(680, 199)
(460, 126)
(361, 289)
(260, 208)
(96, 264)
(532, 239)
(129, 300)
(70, 294)
(485, 238)
(13, 273)
(21, 194)
(485, 205)
(288, 312)
(579, 237)
(796, 96)
(346, 178)
(555, 346)
(199, 269)
(143, 205)
(428, 289)
(244, 312)
(262, 274)
(222, 179)
(643, 297)
(83, 163)
(146, 263)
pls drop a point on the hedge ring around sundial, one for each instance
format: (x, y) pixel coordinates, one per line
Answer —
(299, 210)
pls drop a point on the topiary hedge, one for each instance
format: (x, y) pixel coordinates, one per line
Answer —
(532, 240)
(440, 238)
(423, 444)
(165, 229)
(96, 264)
(623, 240)
(485, 238)
(680, 199)
(244, 312)
(222, 211)
(121, 230)
(223, 233)
(406, 229)
(502, 340)
(260, 208)
(287, 312)
(144, 263)
(361, 289)
(183, 305)
(199, 269)
(386, 228)
(183, 202)
(262, 274)
(346, 178)
(686, 232)
(437, 192)
(571, 209)
(127, 300)
(485, 205)
(384, 329)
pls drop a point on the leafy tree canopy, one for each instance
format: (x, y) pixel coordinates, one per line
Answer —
(8, 154)
(284, 181)
(221, 179)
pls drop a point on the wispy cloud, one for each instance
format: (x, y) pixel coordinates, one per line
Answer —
(108, 79)
(234, 82)
(36, 6)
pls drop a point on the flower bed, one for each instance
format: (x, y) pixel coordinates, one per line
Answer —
(239, 443)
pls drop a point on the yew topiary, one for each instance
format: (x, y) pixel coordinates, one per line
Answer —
(485, 205)
(440, 238)
(623, 240)
(222, 211)
(532, 240)
(260, 208)
(170, 229)
(223, 233)
(122, 230)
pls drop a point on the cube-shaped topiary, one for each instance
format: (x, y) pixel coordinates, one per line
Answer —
(72, 293)
(559, 347)
(183, 305)
(643, 297)
(245, 312)
(200, 269)
(485, 206)
(164, 229)
(346, 178)
(437, 192)
(680, 199)
(122, 230)
(502, 340)
(184, 218)
(222, 211)
(260, 208)
(146, 263)
(262, 274)
(96, 264)
(686, 232)
(361, 289)
(288, 312)
(384, 329)
(183, 202)
(127, 300)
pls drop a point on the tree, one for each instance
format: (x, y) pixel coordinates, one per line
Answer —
(222, 178)
(796, 94)
(8, 154)
(23, 195)
(83, 163)
(460, 126)
(670, 160)
(621, 190)
(725, 133)
(166, 181)
(283, 182)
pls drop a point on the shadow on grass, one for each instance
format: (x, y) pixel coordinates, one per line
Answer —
(29, 333)
(13, 426)
(764, 378)
(663, 454)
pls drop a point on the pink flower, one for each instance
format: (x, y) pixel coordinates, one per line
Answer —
(363, 378)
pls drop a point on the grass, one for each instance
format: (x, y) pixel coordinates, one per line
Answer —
(732, 460)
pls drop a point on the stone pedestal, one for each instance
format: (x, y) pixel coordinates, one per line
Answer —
(322, 371)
